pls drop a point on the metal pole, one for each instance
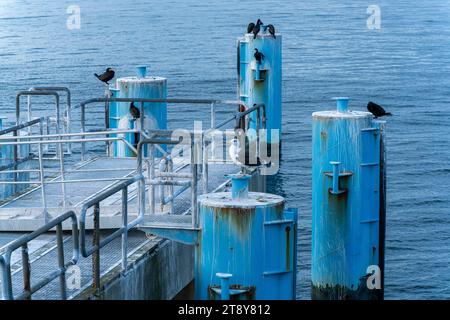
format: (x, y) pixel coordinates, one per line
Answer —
(96, 253)
(60, 247)
(162, 168)
(83, 129)
(194, 186)
(151, 176)
(170, 187)
(125, 226)
(107, 95)
(26, 271)
(204, 166)
(61, 168)
(42, 180)
(213, 116)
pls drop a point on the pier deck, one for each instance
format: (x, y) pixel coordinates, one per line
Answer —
(25, 212)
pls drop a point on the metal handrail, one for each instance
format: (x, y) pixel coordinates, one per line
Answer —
(22, 242)
(94, 250)
(192, 183)
(15, 129)
(108, 99)
(68, 107)
(59, 140)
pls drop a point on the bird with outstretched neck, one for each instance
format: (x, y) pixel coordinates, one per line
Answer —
(257, 28)
(106, 76)
(377, 110)
(259, 56)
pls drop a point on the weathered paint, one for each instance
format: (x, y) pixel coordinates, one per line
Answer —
(261, 83)
(253, 239)
(346, 204)
(6, 159)
(140, 86)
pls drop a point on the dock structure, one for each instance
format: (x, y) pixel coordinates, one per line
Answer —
(97, 203)
(132, 210)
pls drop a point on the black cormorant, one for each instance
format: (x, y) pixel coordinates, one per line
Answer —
(258, 55)
(134, 111)
(257, 28)
(106, 76)
(271, 30)
(377, 110)
(250, 27)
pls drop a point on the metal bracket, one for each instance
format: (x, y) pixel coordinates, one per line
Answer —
(335, 176)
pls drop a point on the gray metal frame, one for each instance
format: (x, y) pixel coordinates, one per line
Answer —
(97, 244)
(22, 242)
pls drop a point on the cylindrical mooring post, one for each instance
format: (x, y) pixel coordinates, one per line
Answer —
(7, 164)
(248, 235)
(155, 114)
(347, 236)
(260, 82)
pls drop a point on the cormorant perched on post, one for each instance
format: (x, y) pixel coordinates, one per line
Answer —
(250, 27)
(257, 28)
(271, 30)
(134, 111)
(258, 55)
(136, 114)
(377, 110)
(106, 76)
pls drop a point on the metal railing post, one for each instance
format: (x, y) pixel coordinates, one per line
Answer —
(124, 225)
(61, 264)
(194, 186)
(26, 271)
(96, 253)
(170, 187)
(42, 180)
(151, 176)
(161, 168)
(83, 129)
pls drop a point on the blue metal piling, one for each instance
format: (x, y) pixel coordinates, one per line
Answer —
(346, 203)
(249, 236)
(140, 86)
(260, 83)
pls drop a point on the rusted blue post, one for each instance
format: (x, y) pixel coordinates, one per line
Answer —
(260, 82)
(347, 236)
(248, 235)
(154, 114)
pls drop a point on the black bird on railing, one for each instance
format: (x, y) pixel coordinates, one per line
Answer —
(250, 27)
(136, 114)
(257, 28)
(259, 56)
(271, 30)
(134, 111)
(377, 110)
(106, 76)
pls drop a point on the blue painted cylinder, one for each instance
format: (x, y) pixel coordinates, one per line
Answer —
(252, 240)
(140, 86)
(261, 82)
(346, 203)
(6, 161)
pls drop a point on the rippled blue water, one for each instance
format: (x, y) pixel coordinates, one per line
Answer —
(327, 51)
